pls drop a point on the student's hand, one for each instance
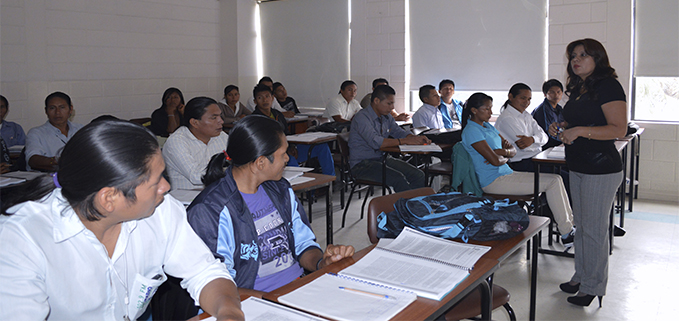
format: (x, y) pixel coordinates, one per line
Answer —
(288, 114)
(402, 117)
(524, 141)
(506, 144)
(4, 168)
(180, 109)
(334, 253)
(415, 140)
(503, 160)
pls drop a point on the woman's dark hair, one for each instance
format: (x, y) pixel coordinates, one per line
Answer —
(169, 92)
(547, 85)
(196, 108)
(4, 100)
(106, 153)
(230, 88)
(346, 84)
(252, 137)
(476, 100)
(58, 94)
(515, 90)
(602, 68)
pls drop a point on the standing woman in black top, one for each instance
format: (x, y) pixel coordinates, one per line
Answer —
(595, 115)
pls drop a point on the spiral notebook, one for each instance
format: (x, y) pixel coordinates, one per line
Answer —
(343, 298)
(426, 265)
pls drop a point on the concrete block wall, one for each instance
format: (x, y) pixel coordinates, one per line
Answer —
(609, 21)
(111, 57)
(378, 46)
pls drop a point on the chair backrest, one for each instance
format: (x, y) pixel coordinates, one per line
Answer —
(386, 204)
(343, 146)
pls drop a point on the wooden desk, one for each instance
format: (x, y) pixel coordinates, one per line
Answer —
(395, 149)
(320, 181)
(500, 250)
(298, 124)
(317, 141)
(422, 308)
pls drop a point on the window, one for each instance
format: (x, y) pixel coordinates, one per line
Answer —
(656, 60)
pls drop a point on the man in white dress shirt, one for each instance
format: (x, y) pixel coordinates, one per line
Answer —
(429, 115)
(189, 149)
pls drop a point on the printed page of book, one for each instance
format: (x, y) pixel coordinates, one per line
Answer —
(340, 298)
(424, 245)
(256, 309)
(427, 278)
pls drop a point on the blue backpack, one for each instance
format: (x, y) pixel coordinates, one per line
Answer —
(455, 215)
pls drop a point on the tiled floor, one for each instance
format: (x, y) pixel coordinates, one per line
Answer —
(643, 270)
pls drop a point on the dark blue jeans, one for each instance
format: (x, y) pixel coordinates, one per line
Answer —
(401, 176)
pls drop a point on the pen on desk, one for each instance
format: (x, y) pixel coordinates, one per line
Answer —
(383, 296)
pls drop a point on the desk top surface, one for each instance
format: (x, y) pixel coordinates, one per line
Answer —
(418, 310)
(320, 180)
(395, 149)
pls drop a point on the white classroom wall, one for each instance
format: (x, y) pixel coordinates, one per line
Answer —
(117, 57)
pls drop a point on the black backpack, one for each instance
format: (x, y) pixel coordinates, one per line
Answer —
(455, 215)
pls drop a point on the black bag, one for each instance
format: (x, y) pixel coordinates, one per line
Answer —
(455, 215)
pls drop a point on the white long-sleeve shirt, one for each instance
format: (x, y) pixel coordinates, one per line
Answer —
(186, 157)
(511, 123)
(52, 267)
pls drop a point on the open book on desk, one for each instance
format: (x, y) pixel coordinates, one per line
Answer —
(341, 298)
(420, 148)
(256, 309)
(426, 265)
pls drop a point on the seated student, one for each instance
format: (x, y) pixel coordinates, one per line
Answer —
(44, 143)
(267, 81)
(287, 103)
(365, 102)
(489, 152)
(371, 130)
(450, 107)
(550, 111)
(232, 109)
(166, 119)
(250, 217)
(343, 107)
(188, 150)
(11, 132)
(519, 128)
(429, 115)
(96, 239)
(299, 153)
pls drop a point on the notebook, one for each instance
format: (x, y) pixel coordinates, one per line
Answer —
(256, 309)
(342, 298)
(427, 265)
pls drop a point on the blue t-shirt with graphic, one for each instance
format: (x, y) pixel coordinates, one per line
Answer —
(277, 265)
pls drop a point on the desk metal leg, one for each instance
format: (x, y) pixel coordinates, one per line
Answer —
(384, 174)
(426, 170)
(328, 215)
(534, 277)
(309, 199)
(636, 173)
(486, 301)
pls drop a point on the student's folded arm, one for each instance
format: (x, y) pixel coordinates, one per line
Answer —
(339, 119)
(490, 155)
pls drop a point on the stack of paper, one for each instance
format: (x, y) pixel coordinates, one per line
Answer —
(256, 309)
(420, 148)
(309, 137)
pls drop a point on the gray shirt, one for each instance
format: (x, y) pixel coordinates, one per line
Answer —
(368, 131)
(47, 140)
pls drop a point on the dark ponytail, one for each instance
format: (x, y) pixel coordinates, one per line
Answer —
(476, 100)
(252, 137)
(102, 154)
(515, 90)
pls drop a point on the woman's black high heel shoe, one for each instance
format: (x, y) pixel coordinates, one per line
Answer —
(584, 301)
(568, 288)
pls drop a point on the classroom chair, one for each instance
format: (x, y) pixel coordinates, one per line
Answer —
(470, 305)
(361, 184)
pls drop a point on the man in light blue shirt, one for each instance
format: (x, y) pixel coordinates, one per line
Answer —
(371, 129)
(44, 143)
(429, 115)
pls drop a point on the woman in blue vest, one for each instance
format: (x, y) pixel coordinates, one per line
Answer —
(249, 216)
